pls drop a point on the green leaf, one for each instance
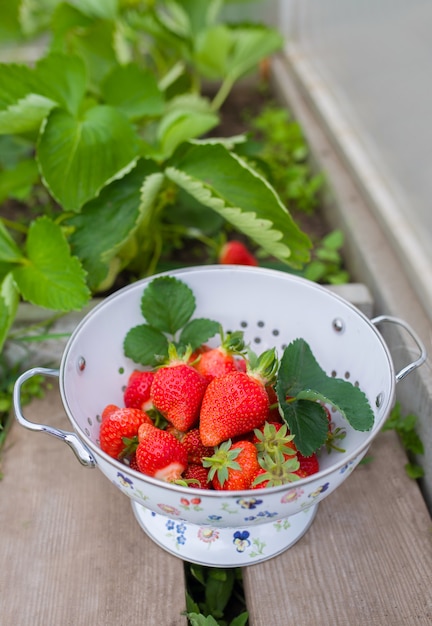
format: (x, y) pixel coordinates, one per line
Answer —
(28, 95)
(143, 344)
(302, 385)
(240, 620)
(133, 91)
(63, 79)
(308, 423)
(251, 44)
(9, 251)
(414, 471)
(212, 51)
(224, 182)
(106, 9)
(18, 181)
(25, 115)
(180, 125)
(198, 331)
(198, 619)
(114, 215)
(92, 40)
(218, 590)
(78, 157)
(51, 277)
(167, 304)
(9, 299)
(16, 82)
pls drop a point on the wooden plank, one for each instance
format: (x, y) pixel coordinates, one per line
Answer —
(71, 550)
(367, 558)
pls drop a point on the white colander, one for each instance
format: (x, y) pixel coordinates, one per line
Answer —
(217, 528)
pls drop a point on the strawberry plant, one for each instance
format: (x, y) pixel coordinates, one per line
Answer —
(215, 596)
(405, 427)
(108, 126)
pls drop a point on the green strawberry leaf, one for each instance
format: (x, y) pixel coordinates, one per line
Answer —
(25, 115)
(107, 9)
(133, 91)
(114, 215)
(181, 125)
(302, 385)
(145, 345)
(167, 304)
(78, 157)
(50, 276)
(9, 299)
(198, 331)
(62, 78)
(9, 250)
(221, 180)
(308, 423)
(18, 181)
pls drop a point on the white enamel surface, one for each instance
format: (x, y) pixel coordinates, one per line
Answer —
(272, 308)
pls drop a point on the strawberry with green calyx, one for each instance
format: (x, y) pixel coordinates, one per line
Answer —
(195, 475)
(119, 429)
(137, 392)
(221, 360)
(274, 441)
(236, 403)
(160, 454)
(177, 390)
(233, 466)
(275, 473)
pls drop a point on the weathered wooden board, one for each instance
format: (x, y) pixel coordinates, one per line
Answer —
(367, 558)
(71, 552)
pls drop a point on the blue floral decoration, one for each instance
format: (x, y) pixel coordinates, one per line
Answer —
(241, 540)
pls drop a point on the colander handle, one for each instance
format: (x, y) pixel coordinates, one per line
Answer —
(422, 350)
(82, 453)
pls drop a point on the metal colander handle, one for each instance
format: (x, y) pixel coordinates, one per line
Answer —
(422, 350)
(81, 451)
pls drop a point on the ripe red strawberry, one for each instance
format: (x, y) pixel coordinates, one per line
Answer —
(196, 475)
(137, 392)
(233, 466)
(274, 416)
(110, 408)
(177, 392)
(235, 253)
(221, 360)
(195, 448)
(119, 425)
(160, 454)
(133, 463)
(308, 465)
(236, 403)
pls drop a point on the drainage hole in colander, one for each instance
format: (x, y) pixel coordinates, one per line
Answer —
(98, 418)
(87, 432)
(379, 400)
(89, 421)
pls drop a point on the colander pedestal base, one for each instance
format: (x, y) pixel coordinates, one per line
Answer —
(224, 547)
